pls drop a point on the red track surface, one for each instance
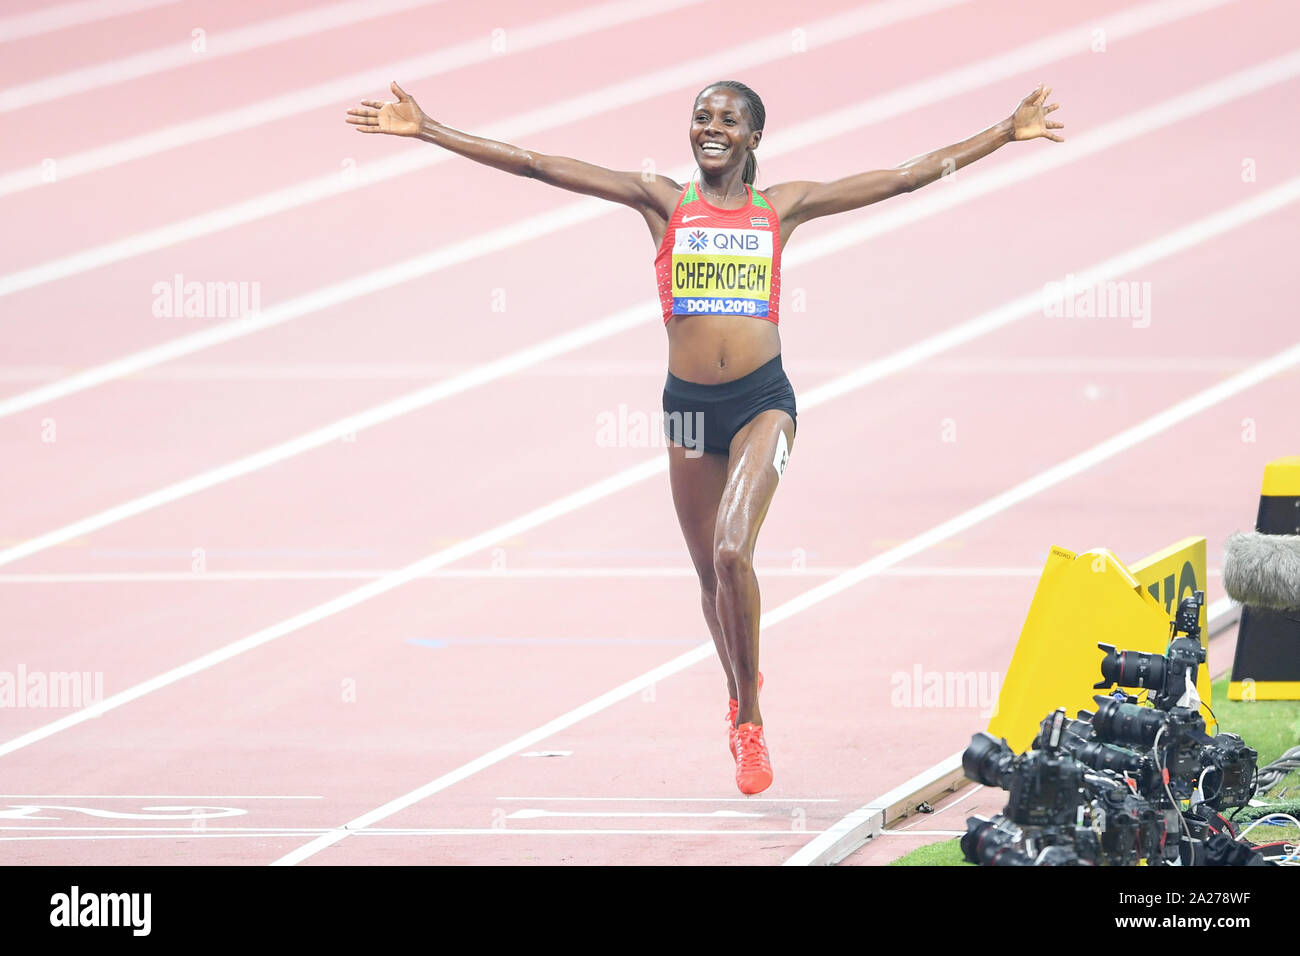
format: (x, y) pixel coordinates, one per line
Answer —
(371, 703)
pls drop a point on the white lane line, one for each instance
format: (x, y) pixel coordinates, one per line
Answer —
(1035, 365)
(448, 832)
(529, 814)
(1058, 46)
(343, 90)
(146, 796)
(1167, 245)
(790, 800)
(1013, 173)
(487, 574)
(994, 506)
(617, 96)
(899, 833)
(515, 831)
(217, 45)
(184, 829)
(67, 15)
(196, 835)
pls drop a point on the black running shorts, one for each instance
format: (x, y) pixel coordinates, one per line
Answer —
(709, 416)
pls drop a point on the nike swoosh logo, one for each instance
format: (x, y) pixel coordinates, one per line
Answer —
(689, 218)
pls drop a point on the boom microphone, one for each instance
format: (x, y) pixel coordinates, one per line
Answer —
(1263, 570)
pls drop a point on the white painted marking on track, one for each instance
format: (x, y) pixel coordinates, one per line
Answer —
(1175, 241)
(532, 814)
(1013, 173)
(196, 834)
(548, 831)
(145, 796)
(448, 832)
(343, 89)
(176, 55)
(1154, 425)
(1033, 365)
(34, 812)
(898, 833)
(51, 19)
(162, 829)
(795, 800)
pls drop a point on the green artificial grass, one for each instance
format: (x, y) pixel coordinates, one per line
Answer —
(944, 853)
(1269, 726)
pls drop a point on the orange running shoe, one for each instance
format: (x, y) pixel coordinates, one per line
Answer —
(733, 706)
(753, 765)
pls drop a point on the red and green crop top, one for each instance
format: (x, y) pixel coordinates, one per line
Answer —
(715, 260)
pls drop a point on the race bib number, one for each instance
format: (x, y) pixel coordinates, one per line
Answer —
(721, 271)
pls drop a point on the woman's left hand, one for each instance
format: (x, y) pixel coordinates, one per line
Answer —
(1029, 121)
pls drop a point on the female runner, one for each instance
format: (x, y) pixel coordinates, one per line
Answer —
(729, 410)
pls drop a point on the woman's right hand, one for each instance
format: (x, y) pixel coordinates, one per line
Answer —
(403, 118)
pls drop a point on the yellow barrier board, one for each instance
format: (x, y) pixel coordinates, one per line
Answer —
(1081, 600)
(1249, 689)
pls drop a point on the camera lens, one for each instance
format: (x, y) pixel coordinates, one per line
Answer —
(1133, 668)
(986, 845)
(1106, 757)
(986, 760)
(1129, 724)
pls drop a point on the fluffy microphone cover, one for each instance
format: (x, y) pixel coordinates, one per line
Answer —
(1263, 570)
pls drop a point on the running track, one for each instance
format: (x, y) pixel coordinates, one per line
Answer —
(165, 508)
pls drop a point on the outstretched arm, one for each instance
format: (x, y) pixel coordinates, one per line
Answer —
(802, 201)
(405, 118)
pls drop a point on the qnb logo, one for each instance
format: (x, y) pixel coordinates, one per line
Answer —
(735, 241)
(103, 909)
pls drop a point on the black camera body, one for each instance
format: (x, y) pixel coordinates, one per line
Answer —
(1228, 778)
(1165, 675)
(1058, 812)
(999, 842)
(1175, 737)
(1130, 830)
(1044, 785)
(1136, 767)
